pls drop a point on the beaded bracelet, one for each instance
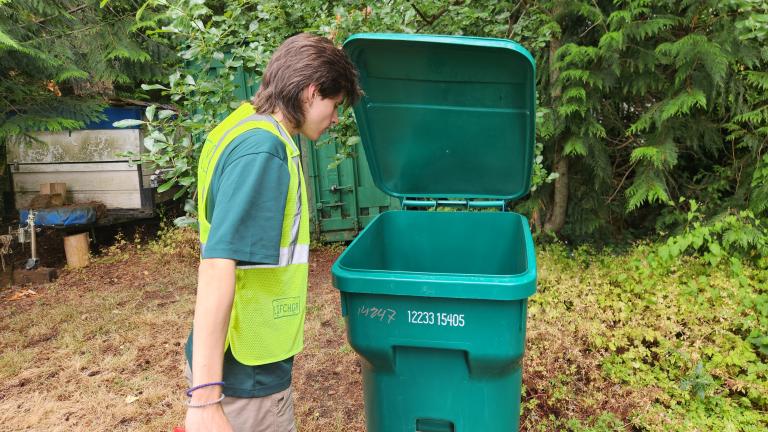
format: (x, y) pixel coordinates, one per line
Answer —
(205, 404)
(190, 390)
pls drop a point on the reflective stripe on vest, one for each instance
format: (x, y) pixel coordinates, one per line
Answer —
(267, 320)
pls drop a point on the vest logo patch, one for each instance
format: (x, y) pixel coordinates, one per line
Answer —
(285, 307)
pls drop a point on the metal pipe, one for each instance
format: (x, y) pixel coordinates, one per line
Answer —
(33, 234)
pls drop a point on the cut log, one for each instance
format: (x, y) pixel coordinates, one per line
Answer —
(76, 249)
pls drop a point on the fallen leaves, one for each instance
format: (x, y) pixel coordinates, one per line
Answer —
(53, 87)
(21, 294)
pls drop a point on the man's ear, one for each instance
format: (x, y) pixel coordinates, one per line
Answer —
(308, 95)
(311, 91)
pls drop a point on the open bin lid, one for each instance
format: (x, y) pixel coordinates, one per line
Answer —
(446, 116)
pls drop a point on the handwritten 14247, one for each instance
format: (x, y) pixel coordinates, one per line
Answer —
(383, 314)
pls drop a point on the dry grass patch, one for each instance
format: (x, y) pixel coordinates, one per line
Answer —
(562, 373)
(327, 376)
(101, 349)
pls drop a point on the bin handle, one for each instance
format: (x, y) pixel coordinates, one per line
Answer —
(434, 425)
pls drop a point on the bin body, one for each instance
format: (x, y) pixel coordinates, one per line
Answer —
(435, 304)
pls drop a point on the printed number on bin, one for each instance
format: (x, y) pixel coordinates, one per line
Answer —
(436, 318)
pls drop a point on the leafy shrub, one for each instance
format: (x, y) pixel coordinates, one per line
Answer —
(731, 237)
(682, 340)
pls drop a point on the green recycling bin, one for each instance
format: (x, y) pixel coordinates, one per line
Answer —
(435, 301)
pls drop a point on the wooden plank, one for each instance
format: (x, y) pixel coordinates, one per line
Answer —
(111, 199)
(37, 276)
(75, 146)
(78, 181)
(73, 167)
(117, 216)
(146, 175)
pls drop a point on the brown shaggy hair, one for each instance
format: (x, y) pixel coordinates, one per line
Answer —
(299, 61)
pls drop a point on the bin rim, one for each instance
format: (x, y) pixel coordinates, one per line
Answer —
(518, 287)
(496, 287)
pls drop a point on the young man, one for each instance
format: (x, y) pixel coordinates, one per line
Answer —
(254, 231)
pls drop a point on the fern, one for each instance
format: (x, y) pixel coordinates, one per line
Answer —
(754, 117)
(575, 94)
(612, 41)
(644, 29)
(682, 104)
(594, 129)
(692, 50)
(575, 75)
(647, 153)
(619, 19)
(575, 147)
(71, 74)
(8, 42)
(758, 200)
(647, 188)
(660, 156)
(569, 109)
(645, 121)
(128, 52)
(576, 55)
(758, 79)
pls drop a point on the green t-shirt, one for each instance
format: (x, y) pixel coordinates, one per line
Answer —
(245, 207)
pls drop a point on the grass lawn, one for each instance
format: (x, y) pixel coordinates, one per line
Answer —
(610, 346)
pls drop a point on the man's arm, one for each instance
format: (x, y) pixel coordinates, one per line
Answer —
(215, 293)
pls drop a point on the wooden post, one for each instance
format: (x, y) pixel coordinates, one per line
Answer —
(76, 249)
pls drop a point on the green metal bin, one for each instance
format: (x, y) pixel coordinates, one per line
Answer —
(435, 301)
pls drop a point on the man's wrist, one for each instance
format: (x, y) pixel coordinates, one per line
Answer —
(205, 394)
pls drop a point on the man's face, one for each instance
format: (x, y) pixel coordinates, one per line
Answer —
(319, 113)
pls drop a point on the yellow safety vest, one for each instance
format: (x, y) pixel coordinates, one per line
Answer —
(267, 320)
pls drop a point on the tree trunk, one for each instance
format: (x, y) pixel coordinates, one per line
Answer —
(556, 219)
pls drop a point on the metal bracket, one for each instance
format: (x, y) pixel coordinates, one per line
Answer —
(467, 204)
(321, 205)
(337, 188)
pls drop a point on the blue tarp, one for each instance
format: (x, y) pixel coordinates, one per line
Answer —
(117, 113)
(60, 217)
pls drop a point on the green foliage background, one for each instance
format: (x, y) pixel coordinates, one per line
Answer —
(652, 123)
(61, 61)
(637, 342)
(645, 106)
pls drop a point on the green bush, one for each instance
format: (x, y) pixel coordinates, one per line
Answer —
(684, 339)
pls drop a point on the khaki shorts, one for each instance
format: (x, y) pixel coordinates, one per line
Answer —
(272, 413)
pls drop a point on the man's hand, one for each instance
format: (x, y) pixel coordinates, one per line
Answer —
(207, 419)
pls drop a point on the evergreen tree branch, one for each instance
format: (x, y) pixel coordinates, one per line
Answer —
(69, 12)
